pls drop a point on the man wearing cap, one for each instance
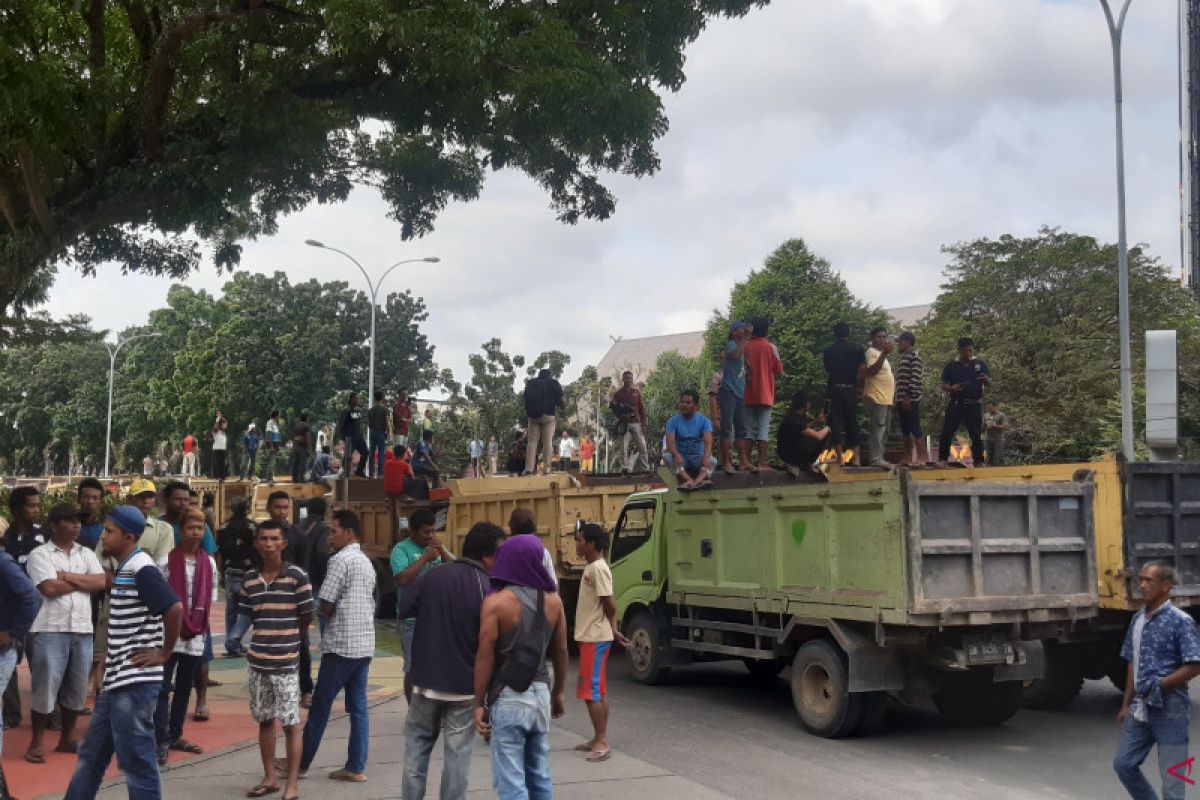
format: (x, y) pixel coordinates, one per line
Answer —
(159, 537)
(144, 618)
(60, 655)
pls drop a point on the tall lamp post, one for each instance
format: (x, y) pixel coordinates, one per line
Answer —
(374, 291)
(1115, 29)
(112, 368)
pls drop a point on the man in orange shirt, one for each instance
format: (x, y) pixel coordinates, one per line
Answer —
(762, 368)
(189, 456)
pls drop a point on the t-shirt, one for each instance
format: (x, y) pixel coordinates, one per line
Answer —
(136, 604)
(300, 432)
(475, 448)
(189, 444)
(910, 376)
(588, 449)
(999, 420)
(147, 466)
(733, 371)
(968, 374)
(792, 445)
(236, 542)
(351, 427)
(714, 383)
(842, 360)
(220, 440)
(401, 414)
(591, 625)
(19, 547)
(377, 418)
(70, 612)
(89, 535)
(493, 449)
(404, 555)
(689, 436)
(195, 645)
(762, 367)
(631, 397)
(275, 609)
(273, 431)
(423, 457)
(566, 447)
(880, 388)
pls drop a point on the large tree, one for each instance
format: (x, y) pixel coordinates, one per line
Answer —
(207, 119)
(1043, 312)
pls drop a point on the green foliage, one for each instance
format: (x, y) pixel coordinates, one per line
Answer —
(127, 128)
(1043, 313)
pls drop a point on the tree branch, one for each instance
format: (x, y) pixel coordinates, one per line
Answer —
(37, 199)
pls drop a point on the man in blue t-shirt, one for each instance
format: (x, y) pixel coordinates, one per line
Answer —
(689, 443)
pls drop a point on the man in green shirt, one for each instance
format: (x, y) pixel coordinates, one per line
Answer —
(411, 558)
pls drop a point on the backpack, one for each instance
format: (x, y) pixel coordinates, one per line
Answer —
(520, 665)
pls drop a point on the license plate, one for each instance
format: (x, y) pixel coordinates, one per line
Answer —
(987, 652)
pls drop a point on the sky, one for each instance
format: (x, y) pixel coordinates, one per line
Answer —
(876, 130)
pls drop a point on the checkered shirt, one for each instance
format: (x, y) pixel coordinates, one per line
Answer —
(350, 586)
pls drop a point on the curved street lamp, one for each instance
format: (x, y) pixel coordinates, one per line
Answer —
(112, 368)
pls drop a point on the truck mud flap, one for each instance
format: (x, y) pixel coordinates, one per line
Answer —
(872, 668)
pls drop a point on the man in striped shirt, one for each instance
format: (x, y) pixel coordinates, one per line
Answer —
(277, 599)
(143, 624)
(909, 379)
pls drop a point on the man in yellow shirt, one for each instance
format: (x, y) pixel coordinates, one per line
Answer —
(879, 389)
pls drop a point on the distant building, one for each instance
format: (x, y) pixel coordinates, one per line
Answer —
(908, 316)
(640, 355)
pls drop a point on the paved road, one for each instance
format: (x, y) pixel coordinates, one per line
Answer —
(713, 725)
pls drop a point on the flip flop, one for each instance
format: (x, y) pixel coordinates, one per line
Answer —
(35, 756)
(184, 746)
(596, 756)
(201, 714)
(262, 791)
(347, 777)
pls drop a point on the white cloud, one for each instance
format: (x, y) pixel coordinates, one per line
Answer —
(878, 130)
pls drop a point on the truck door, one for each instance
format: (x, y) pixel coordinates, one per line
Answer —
(635, 555)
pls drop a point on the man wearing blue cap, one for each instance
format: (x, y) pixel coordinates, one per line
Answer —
(142, 610)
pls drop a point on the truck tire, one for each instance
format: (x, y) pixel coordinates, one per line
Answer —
(645, 657)
(820, 678)
(764, 670)
(1061, 683)
(972, 698)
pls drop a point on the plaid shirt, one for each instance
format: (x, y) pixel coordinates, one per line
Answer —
(350, 586)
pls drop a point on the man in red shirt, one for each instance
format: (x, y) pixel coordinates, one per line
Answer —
(401, 416)
(633, 416)
(762, 368)
(189, 456)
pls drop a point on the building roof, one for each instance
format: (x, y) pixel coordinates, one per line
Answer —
(640, 355)
(907, 316)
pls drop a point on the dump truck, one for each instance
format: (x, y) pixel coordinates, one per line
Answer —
(868, 586)
(1143, 511)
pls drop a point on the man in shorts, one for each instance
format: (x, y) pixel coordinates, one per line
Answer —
(762, 368)
(595, 631)
(277, 599)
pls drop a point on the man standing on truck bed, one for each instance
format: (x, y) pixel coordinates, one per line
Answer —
(595, 630)
(879, 390)
(543, 397)
(845, 363)
(964, 379)
(1163, 651)
(633, 416)
(762, 368)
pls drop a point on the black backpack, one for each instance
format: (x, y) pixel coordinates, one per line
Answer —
(520, 665)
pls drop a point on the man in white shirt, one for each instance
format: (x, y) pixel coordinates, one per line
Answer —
(66, 574)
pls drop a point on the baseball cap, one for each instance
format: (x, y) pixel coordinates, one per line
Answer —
(142, 486)
(128, 519)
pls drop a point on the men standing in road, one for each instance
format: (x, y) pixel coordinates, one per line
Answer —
(543, 397)
(277, 599)
(19, 606)
(250, 441)
(762, 368)
(279, 509)
(879, 390)
(236, 556)
(627, 401)
(143, 624)
(520, 622)
(845, 364)
(995, 425)
(377, 425)
(348, 599)
(964, 379)
(910, 379)
(410, 559)
(1163, 651)
(446, 604)
(189, 456)
(301, 447)
(60, 652)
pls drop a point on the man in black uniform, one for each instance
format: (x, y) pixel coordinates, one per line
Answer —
(845, 364)
(964, 379)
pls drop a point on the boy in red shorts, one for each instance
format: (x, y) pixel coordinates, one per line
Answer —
(595, 631)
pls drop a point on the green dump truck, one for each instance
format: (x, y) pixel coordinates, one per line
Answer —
(868, 587)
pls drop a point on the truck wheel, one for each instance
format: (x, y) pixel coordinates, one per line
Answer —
(820, 678)
(1061, 683)
(764, 670)
(971, 698)
(645, 659)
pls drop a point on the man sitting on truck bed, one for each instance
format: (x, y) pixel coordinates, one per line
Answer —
(689, 443)
(800, 442)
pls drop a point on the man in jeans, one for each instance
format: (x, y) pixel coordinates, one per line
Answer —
(236, 556)
(377, 430)
(543, 396)
(19, 605)
(446, 604)
(518, 722)
(347, 598)
(60, 655)
(1163, 651)
(879, 390)
(633, 416)
(410, 559)
(143, 624)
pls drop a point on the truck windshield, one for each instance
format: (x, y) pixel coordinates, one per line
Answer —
(633, 529)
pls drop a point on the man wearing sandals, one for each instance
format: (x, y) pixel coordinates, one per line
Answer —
(143, 624)
(277, 600)
(67, 574)
(192, 575)
(689, 443)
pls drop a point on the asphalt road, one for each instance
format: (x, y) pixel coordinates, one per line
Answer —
(713, 725)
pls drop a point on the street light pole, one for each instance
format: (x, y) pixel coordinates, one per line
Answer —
(1115, 29)
(112, 369)
(373, 290)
